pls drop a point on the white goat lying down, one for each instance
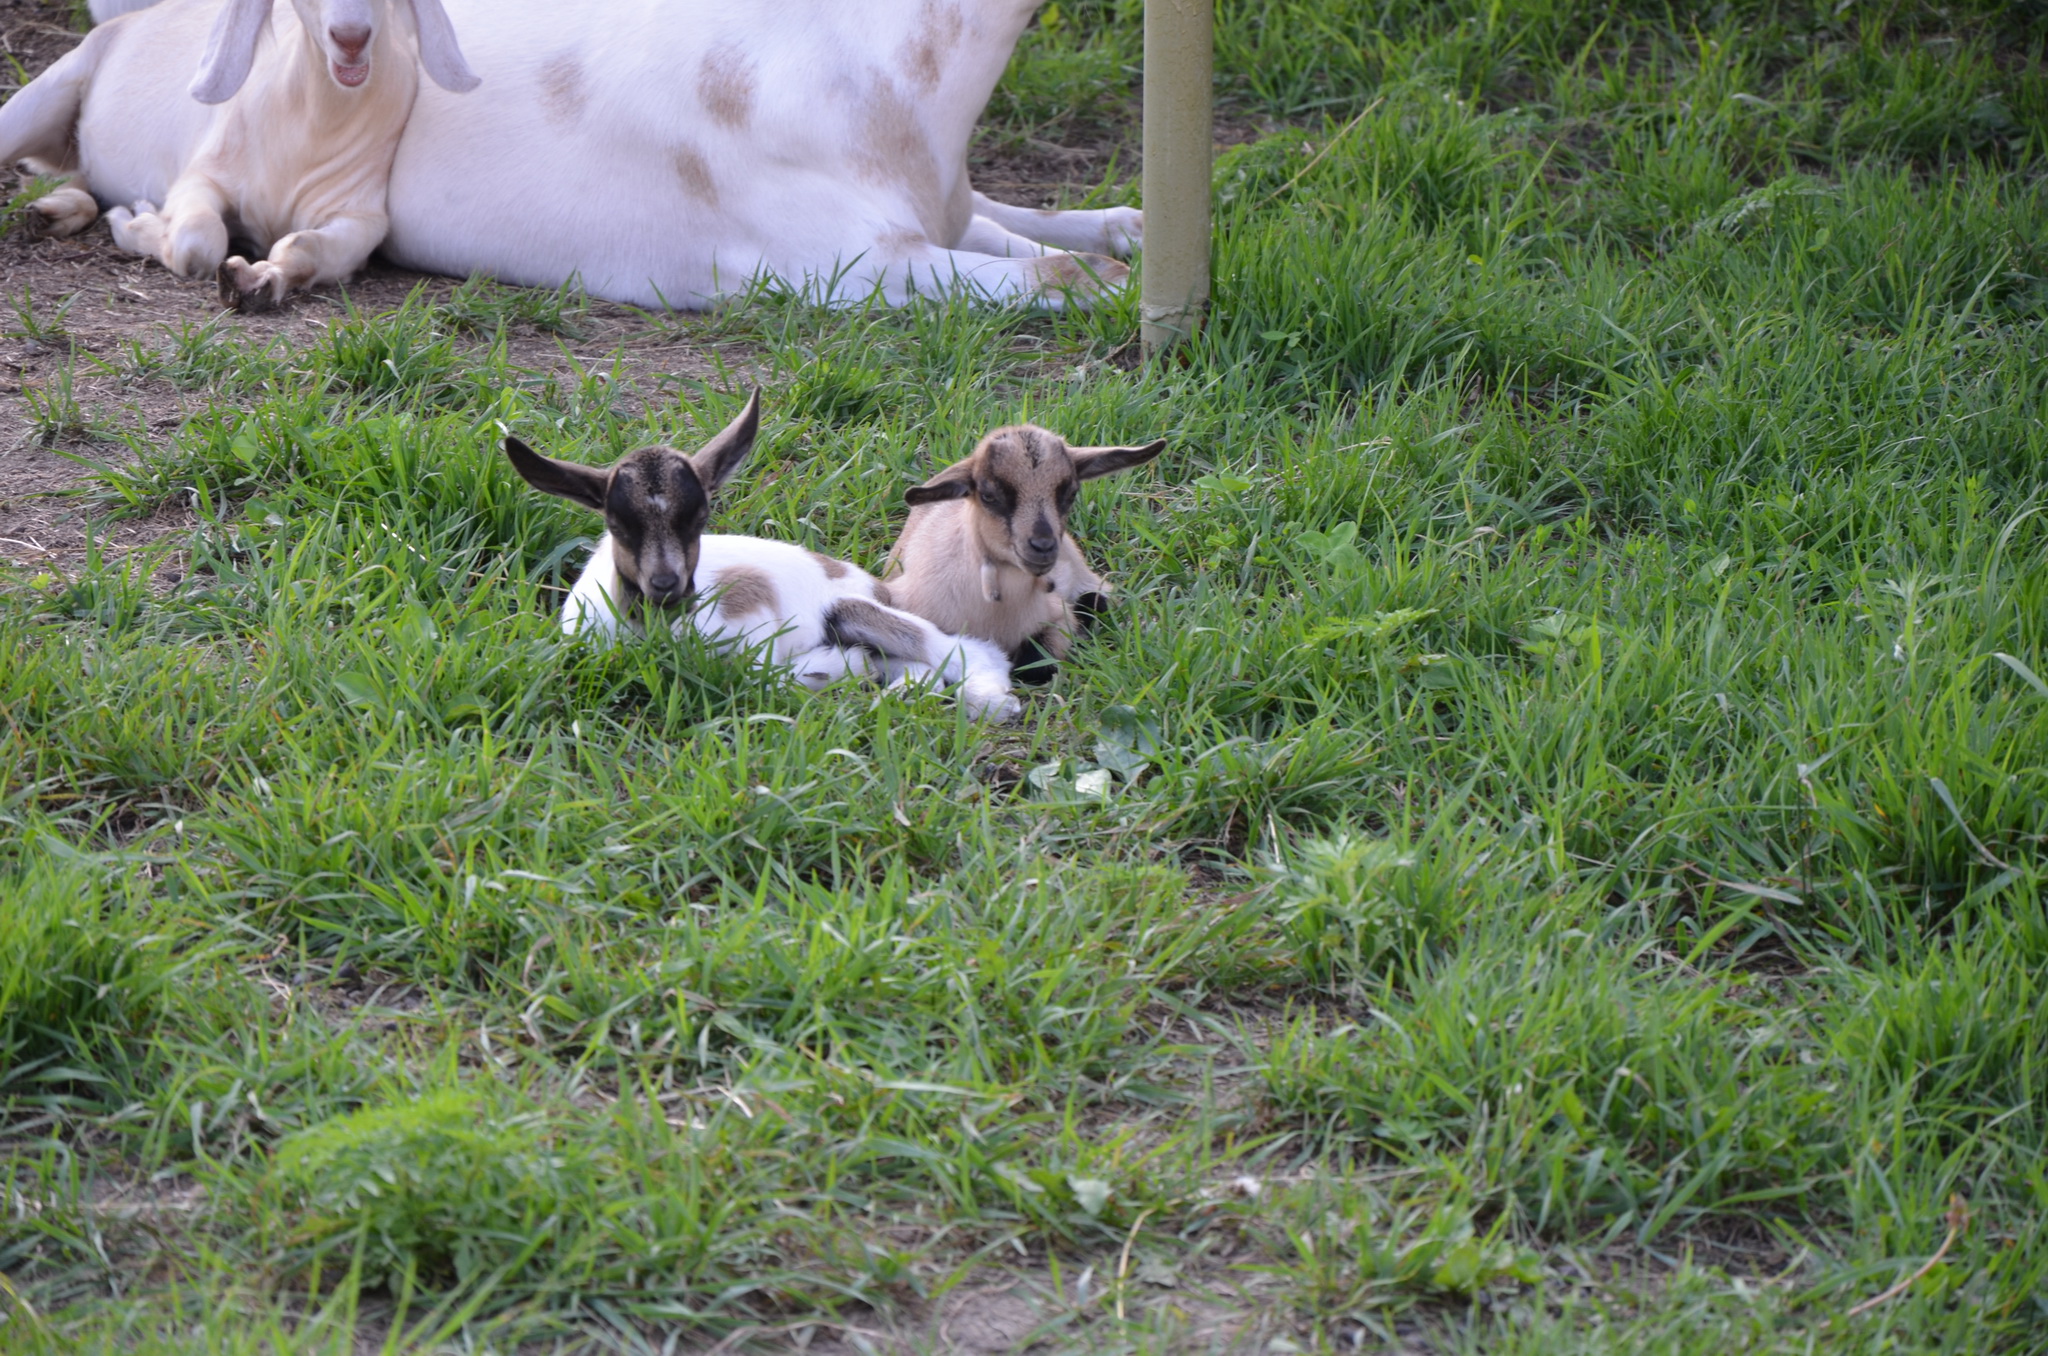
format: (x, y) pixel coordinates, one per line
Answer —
(286, 137)
(821, 618)
(667, 151)
(986, 551)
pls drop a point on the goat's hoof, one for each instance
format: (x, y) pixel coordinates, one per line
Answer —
(1091, 607)
(1001, 711)
(1033, 663)
(248, 287)
(230, 288)
(47, 219)
(43, 223)
(1124, 230)
(1082, 276)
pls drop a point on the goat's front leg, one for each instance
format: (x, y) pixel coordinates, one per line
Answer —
(189, 236)
(66, 209)
(1108, 230)
(325, 253)
(983, 236)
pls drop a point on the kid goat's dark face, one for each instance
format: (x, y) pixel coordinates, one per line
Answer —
(655, 503)
(655, 508)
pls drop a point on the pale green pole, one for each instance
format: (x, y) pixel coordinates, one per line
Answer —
(1179, 47)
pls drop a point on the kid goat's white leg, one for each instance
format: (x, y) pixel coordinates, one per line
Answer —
(63, 211)
(188, 235)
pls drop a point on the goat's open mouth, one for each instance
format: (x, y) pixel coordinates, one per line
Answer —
(351, 76)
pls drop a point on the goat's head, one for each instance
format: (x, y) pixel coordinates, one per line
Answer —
(655, 502)
(1023, 480)
(343, 30)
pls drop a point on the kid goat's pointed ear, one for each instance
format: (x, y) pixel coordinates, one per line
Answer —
(955, 482)
(722, 455)
(1090, 462)
(584, 484)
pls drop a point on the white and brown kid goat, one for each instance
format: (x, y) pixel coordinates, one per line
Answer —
(820, 618)
(986, 551)
(285, 137)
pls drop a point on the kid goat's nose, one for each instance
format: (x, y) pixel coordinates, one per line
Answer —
(663, 583)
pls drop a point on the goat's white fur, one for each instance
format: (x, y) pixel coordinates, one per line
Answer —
(688, 146)
(792, 633)
(266, 143)
(667, 152)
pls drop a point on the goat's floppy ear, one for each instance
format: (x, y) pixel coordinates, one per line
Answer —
(722, 455)
(230, 50)
(1090, 462)
(955, 482)
(583, 484)
(440, 56)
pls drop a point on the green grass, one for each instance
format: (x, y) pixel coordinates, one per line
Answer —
(1549, 855)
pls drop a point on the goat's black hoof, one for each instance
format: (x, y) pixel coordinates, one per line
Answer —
(228, 278)
(1033, 664)
(1090, 608)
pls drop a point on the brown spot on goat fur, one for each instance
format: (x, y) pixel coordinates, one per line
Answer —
(855, 621)
(922, 55)
(562, 88)
(742, 589)
(725, 82)
(834, 569)
(695, 173)
(899, 242)
(891, 152)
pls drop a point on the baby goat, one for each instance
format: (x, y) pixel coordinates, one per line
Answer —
(986, 551)
(821, 618)
(296, 158)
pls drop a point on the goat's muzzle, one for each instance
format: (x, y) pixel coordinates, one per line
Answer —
(666, 590)
(351, 59)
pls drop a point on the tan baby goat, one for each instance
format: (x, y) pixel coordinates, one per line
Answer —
(986, 551)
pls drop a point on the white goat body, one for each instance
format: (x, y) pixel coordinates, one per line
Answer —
(665, 152)
(784, 603)
(291, 158)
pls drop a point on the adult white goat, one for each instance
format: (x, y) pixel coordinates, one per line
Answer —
(287, 144)
(818, 618)
(664, 152)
